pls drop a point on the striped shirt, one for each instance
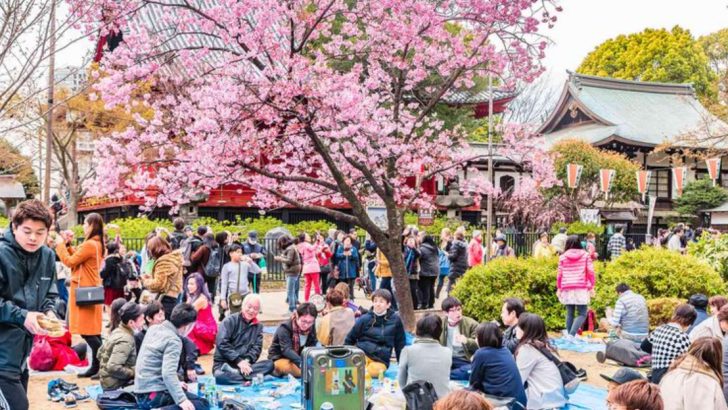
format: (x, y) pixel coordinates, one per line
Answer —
(630, 314)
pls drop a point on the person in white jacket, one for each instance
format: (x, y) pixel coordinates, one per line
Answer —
(714, 326)
(695, 379)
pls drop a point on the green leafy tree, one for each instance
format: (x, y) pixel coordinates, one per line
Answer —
(715, 46)
(699, 195)
(672, 56)
(713, 251)
(12, 162)
(624, 185)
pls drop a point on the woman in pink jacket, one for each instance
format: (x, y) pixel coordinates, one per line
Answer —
(311, 268)
(475, 249)
(575, 282)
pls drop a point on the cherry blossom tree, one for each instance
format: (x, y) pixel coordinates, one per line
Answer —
(312, 103)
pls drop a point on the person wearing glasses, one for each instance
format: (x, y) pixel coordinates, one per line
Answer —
(291, 338)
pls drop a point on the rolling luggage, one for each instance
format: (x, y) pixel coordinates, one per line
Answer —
(333, 378)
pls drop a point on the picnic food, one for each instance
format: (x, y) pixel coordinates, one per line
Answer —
(52, 325)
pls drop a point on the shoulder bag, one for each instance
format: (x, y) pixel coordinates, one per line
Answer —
(235, 299)
(90, 295)
(567, 371)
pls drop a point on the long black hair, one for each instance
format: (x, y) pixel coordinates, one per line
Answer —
(573, 242)
(534, 331)
(96, 222)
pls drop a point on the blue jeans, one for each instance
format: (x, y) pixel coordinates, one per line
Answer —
(460, 369)
(292, 285)
(62, 291)
(574, 324)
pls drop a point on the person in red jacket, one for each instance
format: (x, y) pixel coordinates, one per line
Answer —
(475, 249)
(575, 282)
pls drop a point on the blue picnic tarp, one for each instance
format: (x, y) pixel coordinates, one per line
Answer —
(578, 345)
(586, 397)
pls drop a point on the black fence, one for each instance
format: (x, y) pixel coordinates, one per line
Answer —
(522, 244)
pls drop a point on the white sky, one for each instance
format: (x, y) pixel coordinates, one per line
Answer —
(584, 24)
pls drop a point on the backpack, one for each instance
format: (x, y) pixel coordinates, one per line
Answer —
(176, 240)
(186, 246)
(420, 395)
(214, 263)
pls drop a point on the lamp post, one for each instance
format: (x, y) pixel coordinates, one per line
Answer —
(489, 217)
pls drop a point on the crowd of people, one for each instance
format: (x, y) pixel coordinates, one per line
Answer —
(191, 292)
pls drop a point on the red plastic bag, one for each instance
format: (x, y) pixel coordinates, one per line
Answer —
(41, 356)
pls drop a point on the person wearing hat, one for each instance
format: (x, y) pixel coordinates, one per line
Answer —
(621, 376)
(117, 356)
(256, 252)
(502, 249)
(700, 303)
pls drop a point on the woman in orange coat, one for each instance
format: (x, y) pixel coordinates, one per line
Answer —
(85, 264)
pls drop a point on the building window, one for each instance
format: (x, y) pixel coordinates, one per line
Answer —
(507, 183)
(660, 183)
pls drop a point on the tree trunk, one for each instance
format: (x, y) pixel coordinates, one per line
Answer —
(391, 247)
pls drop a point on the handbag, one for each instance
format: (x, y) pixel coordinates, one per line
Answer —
(567, 371)
(235, 299)
(90, 295)
(420, 395)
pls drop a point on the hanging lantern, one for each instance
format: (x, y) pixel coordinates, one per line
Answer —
(643, 182)
(606, 176)
(713, 168)
(573, 174)
(679, 174)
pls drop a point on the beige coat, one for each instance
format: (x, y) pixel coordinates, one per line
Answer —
(692, 385)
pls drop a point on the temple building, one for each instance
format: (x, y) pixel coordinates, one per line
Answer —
(656, 125)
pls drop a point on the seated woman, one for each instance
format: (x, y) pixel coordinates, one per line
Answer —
(669, 341)
(494, 371)
(117, 356)
(545, 388)
(337, 323)
(695, 379)
(205, 330)
(377, 333)
(290, 339)
(426, 359)
(343, 287)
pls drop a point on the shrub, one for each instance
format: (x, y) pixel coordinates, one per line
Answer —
(578, 228)
(132, 227)
(713, 251)
(483, 289)
(4, 223)
(656, 273)
(440, 221)
(661, 310)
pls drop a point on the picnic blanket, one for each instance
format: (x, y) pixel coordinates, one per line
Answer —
(579, 344)
(586, 397)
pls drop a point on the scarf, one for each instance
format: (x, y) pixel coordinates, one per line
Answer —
(296, 336)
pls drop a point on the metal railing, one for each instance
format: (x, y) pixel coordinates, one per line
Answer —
(522, 244)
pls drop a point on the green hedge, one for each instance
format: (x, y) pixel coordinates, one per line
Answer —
(712, 251)
(483, 289)
(656, 273)
(4, 222)
(578, 228)
(140, 227)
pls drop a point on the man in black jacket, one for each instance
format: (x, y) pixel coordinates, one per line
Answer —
(27, 291)
(239, 343)
(510, 312)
